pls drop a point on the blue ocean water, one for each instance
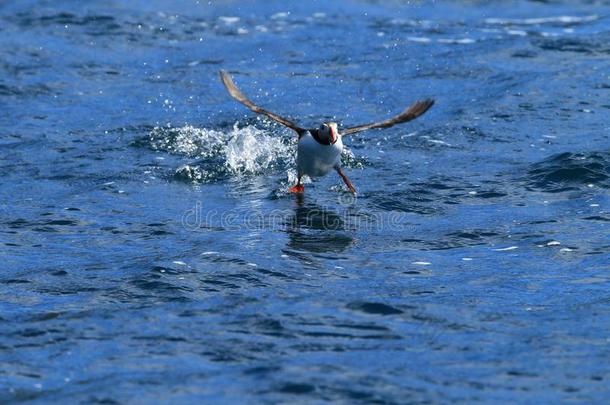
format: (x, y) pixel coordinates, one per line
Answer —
(150, 251)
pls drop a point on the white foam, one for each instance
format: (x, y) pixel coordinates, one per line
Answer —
(506, 249)
(438, 142)
(228, 20)
(422, 40)
(563, 19)
(282, 14)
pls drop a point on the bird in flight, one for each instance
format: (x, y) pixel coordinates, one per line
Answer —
(319, 149)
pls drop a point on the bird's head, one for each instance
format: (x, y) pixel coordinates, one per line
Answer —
(329, 132)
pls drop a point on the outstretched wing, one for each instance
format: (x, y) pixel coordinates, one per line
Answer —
(239, 96)
(415, 110)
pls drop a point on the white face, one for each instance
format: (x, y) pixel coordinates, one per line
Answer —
(329, 132)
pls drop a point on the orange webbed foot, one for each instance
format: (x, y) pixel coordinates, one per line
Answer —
(299, 188)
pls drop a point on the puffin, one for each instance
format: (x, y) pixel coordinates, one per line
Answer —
(319, 149)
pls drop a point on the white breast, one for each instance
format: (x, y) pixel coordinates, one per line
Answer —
(315, 159)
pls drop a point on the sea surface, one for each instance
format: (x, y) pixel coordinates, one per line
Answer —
(150, 252)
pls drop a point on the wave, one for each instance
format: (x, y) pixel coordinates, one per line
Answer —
(570, 171)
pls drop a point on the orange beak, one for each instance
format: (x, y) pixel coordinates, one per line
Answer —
(333, 136)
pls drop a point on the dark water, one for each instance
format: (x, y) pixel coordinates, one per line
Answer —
(150, 251)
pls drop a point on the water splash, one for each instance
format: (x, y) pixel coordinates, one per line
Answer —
(242, 150)
(253, 151)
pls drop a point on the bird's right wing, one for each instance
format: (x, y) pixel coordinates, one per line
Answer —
(239, 96)
(415, 110)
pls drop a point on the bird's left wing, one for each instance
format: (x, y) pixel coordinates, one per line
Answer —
(239, 96)
(415, 110)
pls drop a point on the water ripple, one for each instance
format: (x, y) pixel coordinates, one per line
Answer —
(570, 171)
